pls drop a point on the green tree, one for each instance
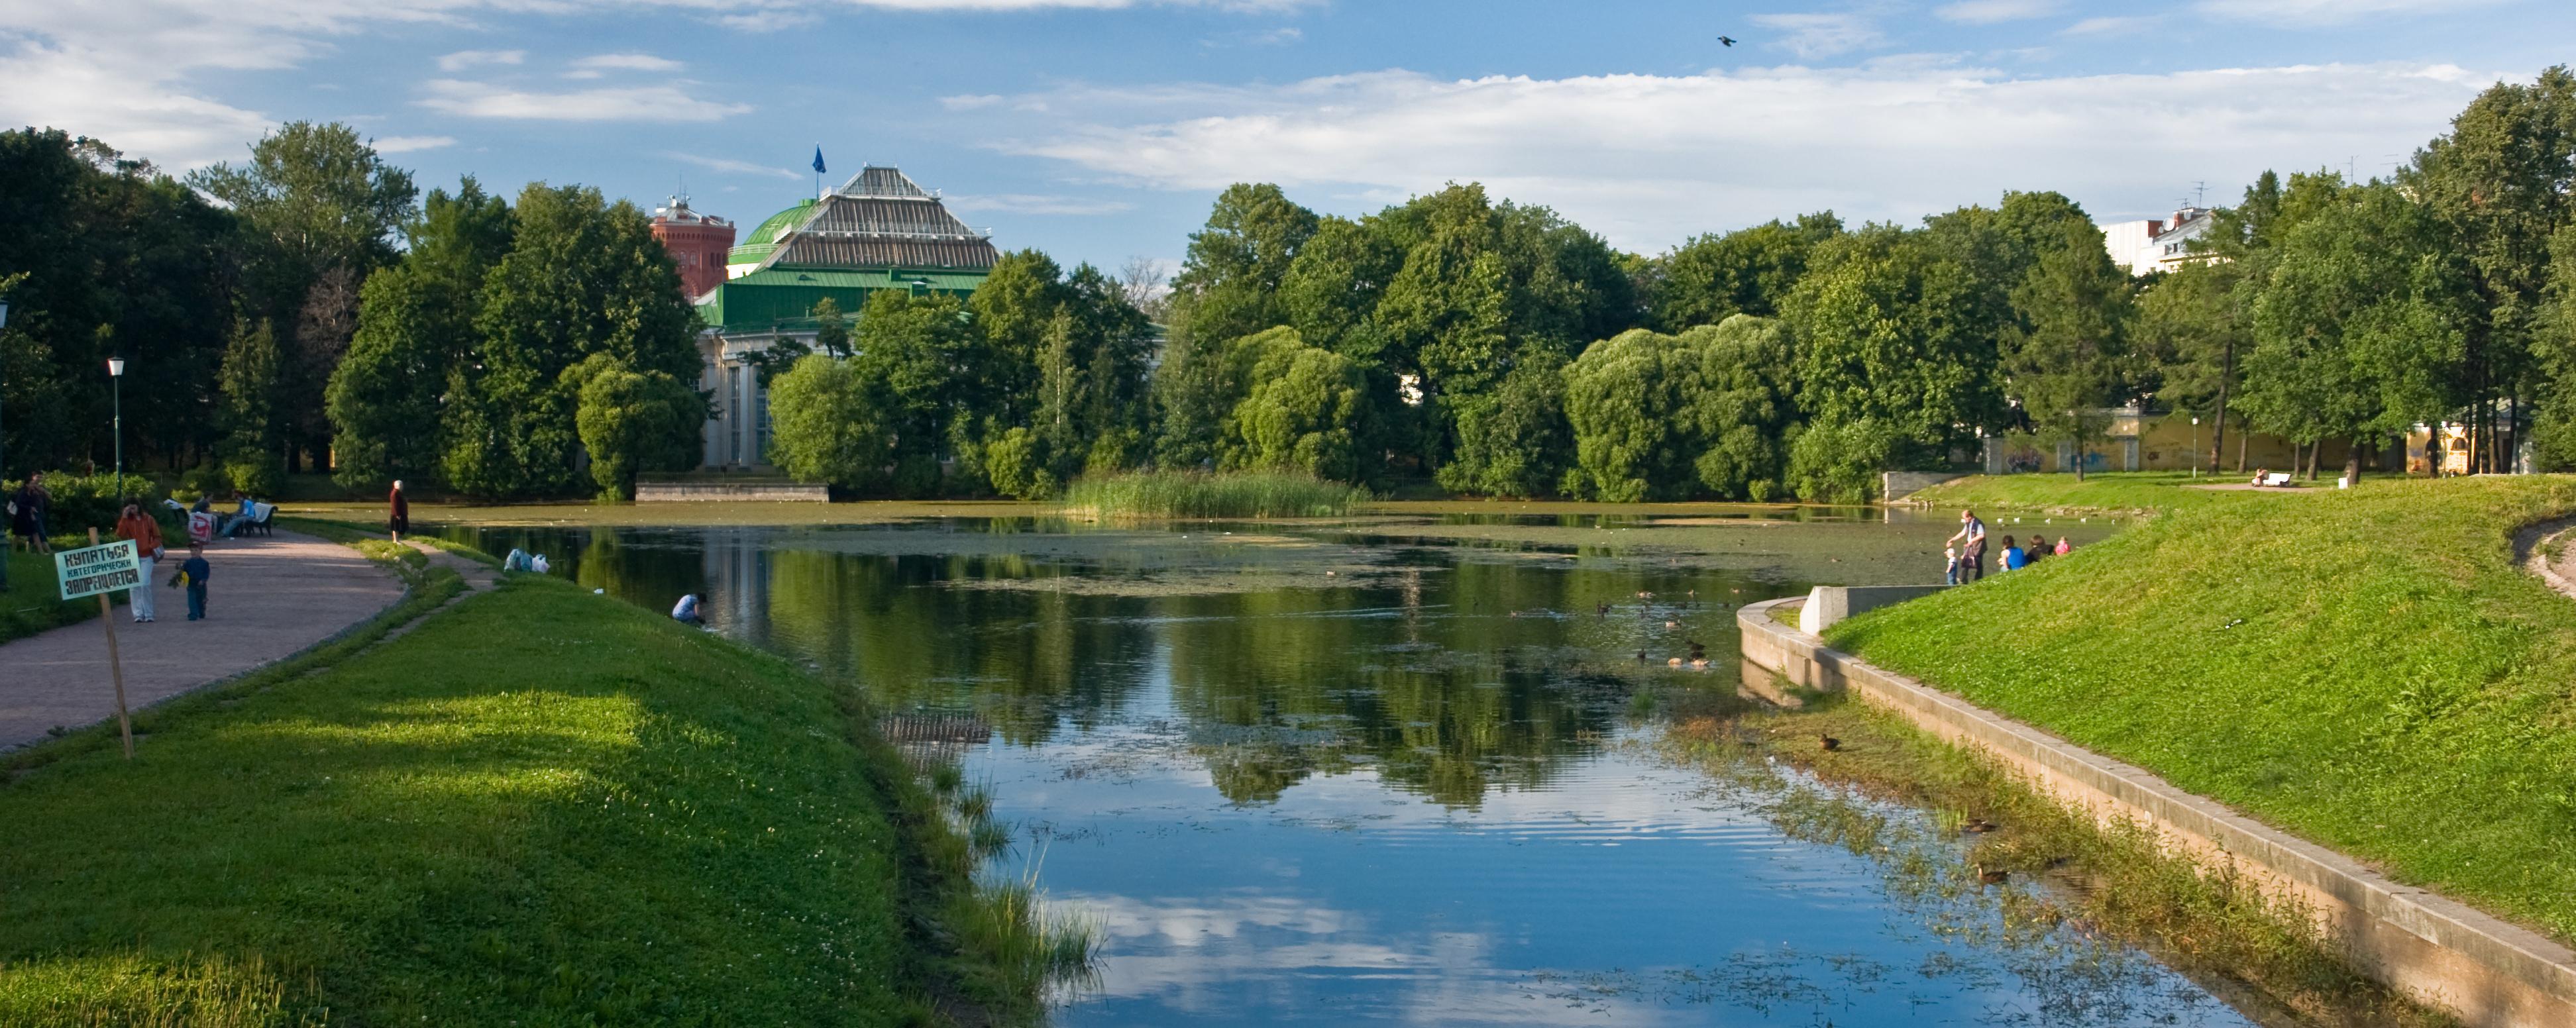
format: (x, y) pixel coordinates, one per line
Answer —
(2503, 181)
(826, 427)
(1662, 417)
(915, 353)
(1896, 341)
(1301, 408)
(634, 422)
(415, 324)
(321, 209)
(250, 384)
(2192, 327)
(582, 277)
(1747, 271)
(1228, 288)
(2068, 344)
(103, 240)
(2361, 325)
(1515, 441)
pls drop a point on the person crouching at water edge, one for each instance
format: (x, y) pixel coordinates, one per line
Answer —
(146, 534)
(1971, 538)
(686, 611)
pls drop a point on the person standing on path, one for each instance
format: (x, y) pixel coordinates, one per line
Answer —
(193, 574)
(146, 534)
(398, 516)
(1972, 547)
(28, 521)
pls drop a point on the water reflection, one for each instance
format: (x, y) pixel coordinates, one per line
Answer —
(1382, 772)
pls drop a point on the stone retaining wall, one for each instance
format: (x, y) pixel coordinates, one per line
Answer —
(2487, 972)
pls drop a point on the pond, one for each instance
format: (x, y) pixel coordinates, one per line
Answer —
(1389, 769)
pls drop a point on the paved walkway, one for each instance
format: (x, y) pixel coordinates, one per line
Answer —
(269, 598)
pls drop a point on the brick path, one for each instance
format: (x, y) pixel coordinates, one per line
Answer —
(269, 598)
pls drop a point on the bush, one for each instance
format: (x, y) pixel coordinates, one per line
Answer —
(1190, 494)
(204, 480)
(83, 502)
(259, 473)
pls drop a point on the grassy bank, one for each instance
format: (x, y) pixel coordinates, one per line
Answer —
(2366, 669)
(2114, 491)
(1186, 494)
(539, 807)
(2063, 878)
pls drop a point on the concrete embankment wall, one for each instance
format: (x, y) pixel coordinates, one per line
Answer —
(2489, 973)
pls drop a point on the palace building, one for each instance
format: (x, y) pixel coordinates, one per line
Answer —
(877, 231)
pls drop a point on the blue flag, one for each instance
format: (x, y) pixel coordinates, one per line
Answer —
(818, 161)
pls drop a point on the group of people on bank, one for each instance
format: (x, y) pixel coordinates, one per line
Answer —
(1966, 551)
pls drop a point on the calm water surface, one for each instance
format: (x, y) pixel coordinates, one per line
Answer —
(1395, 772)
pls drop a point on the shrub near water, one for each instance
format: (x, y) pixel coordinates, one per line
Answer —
(1183, 494)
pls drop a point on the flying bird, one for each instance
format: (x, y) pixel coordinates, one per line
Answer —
(1726, 40)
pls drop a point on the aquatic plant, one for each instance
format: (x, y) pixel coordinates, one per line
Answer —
(1191, 494)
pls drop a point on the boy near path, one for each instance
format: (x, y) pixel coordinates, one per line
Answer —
(192, 574)
(146, 534)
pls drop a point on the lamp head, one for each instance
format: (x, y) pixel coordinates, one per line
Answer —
(116, 367)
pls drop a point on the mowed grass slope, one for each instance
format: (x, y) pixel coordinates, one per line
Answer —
(2367, 669)
(539, 808)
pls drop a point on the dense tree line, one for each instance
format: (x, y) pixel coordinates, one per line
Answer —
(306, 304)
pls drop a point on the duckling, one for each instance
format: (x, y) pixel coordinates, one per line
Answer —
(1672, 624)
(1699, 663)
(1641, 656)
(1672, 662)
(1978, 826)
(1602, 610)
(1831, 744)
(1992, 875)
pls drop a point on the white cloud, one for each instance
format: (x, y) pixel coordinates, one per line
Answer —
(627, 62)
(2109, 26)
(2328, 12)
(1989, 12)
(1034, 203)
(767, 19)
(726, 164)
(1648, 160)
(660, 103)
(463, 59)
(411, 144)
(968, 103)
(1823, 35)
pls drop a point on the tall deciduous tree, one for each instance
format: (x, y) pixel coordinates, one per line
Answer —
(321, 208)
(2361, 324)
(251, 445)
(826, 425)
(2068, 348)
(1747, 271)
(633, 422)
(1702, 413)
(583, 277)
(387, 399)
(1897, 358)
(2503, 181)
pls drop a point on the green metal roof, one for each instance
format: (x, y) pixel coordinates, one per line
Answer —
(764, 237)
(785, 297)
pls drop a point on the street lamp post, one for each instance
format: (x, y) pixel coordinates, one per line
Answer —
(116, 374)
(4, 439)
(2195, 446)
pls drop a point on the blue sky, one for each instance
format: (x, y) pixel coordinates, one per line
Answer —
(1100, 129)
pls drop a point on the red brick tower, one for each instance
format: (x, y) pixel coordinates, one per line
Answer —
(697, 243)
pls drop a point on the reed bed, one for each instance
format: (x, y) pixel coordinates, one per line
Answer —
(1191, 494)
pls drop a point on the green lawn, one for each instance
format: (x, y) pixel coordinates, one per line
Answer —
(541, 807)
(2367, 669)
(30, 604)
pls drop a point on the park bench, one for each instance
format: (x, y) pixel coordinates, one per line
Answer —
(262, 519)
(2277, 479)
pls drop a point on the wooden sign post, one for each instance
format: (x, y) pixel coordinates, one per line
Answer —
(98, 570)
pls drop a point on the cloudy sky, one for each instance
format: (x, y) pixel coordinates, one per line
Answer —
(1100, 129)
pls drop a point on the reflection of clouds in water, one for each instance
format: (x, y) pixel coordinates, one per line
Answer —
(1198, 955)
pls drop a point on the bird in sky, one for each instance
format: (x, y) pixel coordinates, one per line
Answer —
(1726, 40)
